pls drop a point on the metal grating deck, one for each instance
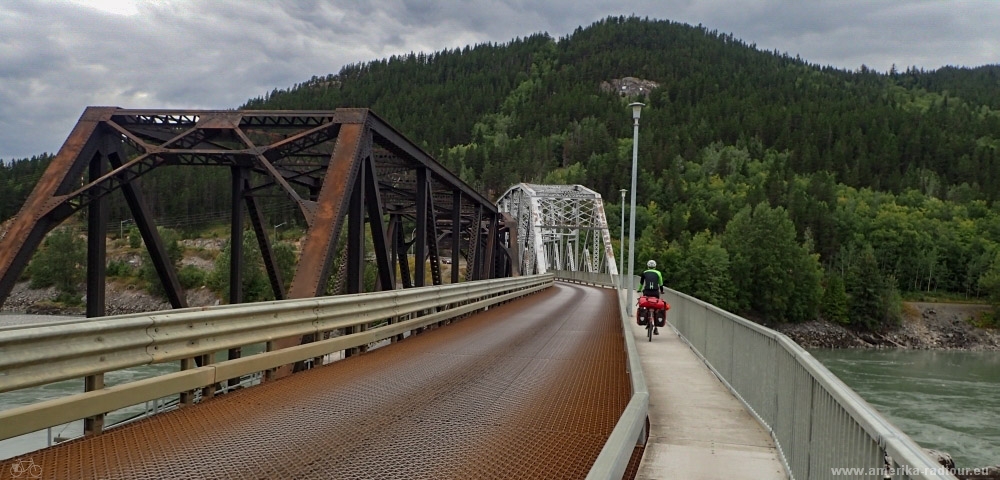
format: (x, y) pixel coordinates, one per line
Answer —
(529, 389)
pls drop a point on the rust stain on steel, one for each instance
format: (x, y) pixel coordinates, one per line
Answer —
(528, 389)
(324, 227)
(223, 120)
(328, 217)
(45, 196)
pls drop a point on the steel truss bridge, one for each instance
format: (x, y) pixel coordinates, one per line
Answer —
(346, 171)
(559, 227)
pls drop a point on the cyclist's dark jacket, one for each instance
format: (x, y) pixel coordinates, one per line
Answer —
(651, 282)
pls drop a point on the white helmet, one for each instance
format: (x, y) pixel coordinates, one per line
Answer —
(651, 264)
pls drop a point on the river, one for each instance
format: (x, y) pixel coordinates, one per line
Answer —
(944, 400)
(33, 441)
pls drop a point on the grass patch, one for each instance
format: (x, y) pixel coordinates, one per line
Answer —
(941, 297)
(987, 320)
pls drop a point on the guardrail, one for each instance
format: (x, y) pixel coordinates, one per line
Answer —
(630, 431)
(31, 356)
(817, 422)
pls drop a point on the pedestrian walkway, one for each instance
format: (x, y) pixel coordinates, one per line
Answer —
(697, 428)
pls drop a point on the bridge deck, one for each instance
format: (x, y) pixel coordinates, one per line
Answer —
(530, 389)
(697, 428)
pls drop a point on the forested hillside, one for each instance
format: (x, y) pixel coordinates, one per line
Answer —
(768, 185)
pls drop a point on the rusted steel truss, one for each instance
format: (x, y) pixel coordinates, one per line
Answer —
(333, 165)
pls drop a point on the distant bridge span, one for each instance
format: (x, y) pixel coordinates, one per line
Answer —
(559, 227)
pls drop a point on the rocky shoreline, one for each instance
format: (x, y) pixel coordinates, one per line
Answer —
(940, 326)
(121, 299)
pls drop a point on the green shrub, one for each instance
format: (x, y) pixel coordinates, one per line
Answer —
(191, 276)
(134, 239)
(60, 262)
(256, 286)
(120, 269)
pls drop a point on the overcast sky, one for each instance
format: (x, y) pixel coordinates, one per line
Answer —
(59, 56)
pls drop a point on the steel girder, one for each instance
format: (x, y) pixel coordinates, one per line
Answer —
(333, 165)
(560, 227)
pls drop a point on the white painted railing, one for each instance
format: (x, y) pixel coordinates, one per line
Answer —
(37, 355)
(818, 423)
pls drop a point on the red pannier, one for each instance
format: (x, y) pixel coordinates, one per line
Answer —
(657, 305)
(654, 303)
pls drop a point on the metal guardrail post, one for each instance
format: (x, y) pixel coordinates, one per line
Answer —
(187, 396)
(92, 425)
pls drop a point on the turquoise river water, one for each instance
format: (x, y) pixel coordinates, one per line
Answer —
(944, 400)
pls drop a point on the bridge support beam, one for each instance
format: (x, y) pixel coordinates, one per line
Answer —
(380, 237)
(97, 224)
(456, 234)
(151, 237)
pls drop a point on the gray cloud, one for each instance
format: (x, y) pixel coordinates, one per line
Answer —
(59, 56)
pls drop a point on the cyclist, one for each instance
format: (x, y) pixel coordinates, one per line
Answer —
(651, 284)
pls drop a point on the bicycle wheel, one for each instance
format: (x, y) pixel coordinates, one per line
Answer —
(649, 327)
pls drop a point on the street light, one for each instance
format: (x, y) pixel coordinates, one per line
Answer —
(276, 231)
(121, 227)
(636, 108)
(621, 246)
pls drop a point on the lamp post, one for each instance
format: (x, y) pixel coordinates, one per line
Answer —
(621, 246)
(276, 227)
(636, 108)
(121, 227)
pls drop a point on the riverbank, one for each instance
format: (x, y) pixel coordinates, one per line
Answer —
(925, 325)
(120, 299)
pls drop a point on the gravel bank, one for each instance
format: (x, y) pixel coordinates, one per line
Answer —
(925, 326)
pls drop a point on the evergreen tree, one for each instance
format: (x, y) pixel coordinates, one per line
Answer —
(834, 304)
(706, 267)
(873, 301)
(774, 275)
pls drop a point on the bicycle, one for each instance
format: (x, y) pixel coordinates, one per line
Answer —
(650, 324)
(646, 314)
(26, 468)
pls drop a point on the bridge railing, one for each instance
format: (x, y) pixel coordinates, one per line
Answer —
(821, 427)
(38, 355)
(630, 430)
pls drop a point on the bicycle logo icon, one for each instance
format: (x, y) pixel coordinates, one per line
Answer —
(26, 469)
